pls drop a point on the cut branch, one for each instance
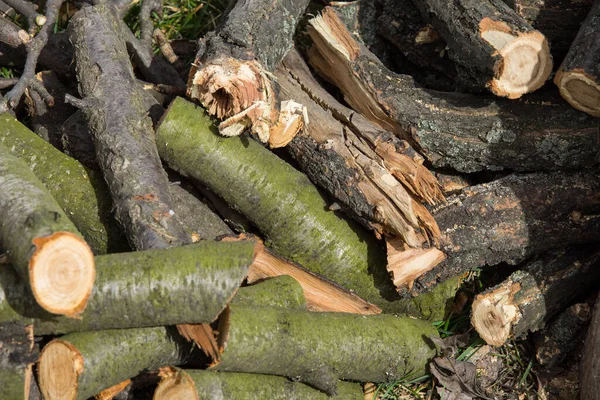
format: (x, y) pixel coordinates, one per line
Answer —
(18, 353)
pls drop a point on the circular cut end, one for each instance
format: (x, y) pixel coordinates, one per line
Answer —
(175, 385)
(62, 272)
(58, 370)
(492, 317)
(580, 90)
(526, 66)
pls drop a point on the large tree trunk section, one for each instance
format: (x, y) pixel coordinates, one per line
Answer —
(533, 295)
(499, 48)
(177, 384)
(578, 77)
(513, 218)
(18, 352)
(397, 347)
(464, 132)
(281, 202)
(590, 364)
(229, 76)
(187, 284)
(358, 163)
(123, 136)
(43, 245)
(80, 365)
(562, 335)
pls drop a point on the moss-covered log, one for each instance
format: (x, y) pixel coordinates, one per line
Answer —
(590, 363)
(464, 132)
(81, 192)
(177, 384)
(533, 295)
(321, 348)
(578, 77)
(18, 352)
(368, 170)
(186, 284)
(80, 365)
(43, 245)
(512, 219)
(281, 291)
(229, 76)
(122, 133)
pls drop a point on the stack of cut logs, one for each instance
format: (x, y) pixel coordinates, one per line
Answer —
(118, 272)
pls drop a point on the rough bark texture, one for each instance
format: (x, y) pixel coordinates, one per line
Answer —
(81, 192)
(122, 134)
(578, 77)
(562, 335)
(513, 218)
(397, 347)
(480, 35)
(533, 295)
(94, 361)
(464, 132)
(180, 384)
(371, 172)
(590, 364)
(18, 352)
(187, 284)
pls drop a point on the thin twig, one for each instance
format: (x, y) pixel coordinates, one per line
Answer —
(11, 34)
(8, 82)
(40, 89)
(26, 9)
(146, 24)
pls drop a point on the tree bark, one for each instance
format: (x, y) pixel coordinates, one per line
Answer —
(578, 77)
(590, 364)
(178, 384)
(513, 218)
(533, 295)
(289, 296)
(229, 74)
(501, 51)
(367, 169)
(122, 134)
(187, 284)
(464, 132)
(18, 353)
(43, 245)
(397, 347)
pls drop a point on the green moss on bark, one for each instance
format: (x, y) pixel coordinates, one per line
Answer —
(281, 291)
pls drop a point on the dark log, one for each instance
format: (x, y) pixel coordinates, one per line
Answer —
(590, 364)
(368, 170)
(229, 76)
(186, 284)
(18, 353)
(531, 296)
(397, 347)
(43, 245)
(501, 51)
(178, 384)
(578, 77)
(513, 218)
(464, 132)
(562, 335)
(123, 135)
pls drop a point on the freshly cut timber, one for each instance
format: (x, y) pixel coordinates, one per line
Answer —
(43, 245)
(178, 384)
(590, 364)
(81, 192)
(18, 353)
(533, 295)
(513, 218)
(186, 284)
(231, 73)
(372, 173)
(80, 365)
(284, 205)
(562, 335)
(397, 346)
(464, 132)
(125, 150)
(578, 77)
(499, 48)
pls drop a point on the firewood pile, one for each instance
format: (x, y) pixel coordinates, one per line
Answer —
(285, 214)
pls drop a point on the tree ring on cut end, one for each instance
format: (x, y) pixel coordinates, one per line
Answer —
(581, 91)
(58, 370)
